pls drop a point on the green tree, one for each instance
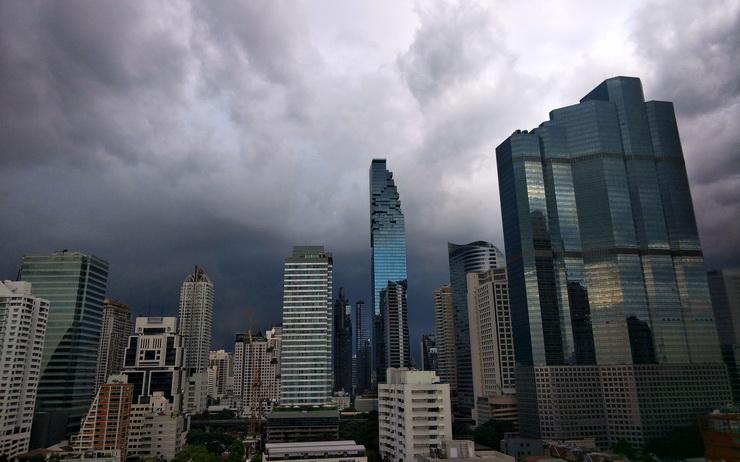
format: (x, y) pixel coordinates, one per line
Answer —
(196, 453)
(492, 432)
(681, 443)
(363, 430)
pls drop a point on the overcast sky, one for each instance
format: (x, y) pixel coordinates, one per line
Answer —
(160, 135)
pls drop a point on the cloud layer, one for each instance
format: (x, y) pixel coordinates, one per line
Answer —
(161, 135)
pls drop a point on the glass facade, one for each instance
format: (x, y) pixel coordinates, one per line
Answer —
(75, 285)
(363, 347)
(388, 247)
(342, 343)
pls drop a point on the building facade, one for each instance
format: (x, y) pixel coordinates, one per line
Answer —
(105, 427)
(196, 318)
(342, 343)
(414, 414)
(113, 340)
(388, 251)
(316, 451)
(23, 319)
(257, 371)
(724, 288)
(444, 328)
(463, 259)
(396, 325)
(75, 285)
(221, 365)
(614, 333)
(363, 347)
(428, 353)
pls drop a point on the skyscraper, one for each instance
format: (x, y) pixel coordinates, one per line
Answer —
(388, 250)
(22, 330)
(463, 259)
(428, 353)
(610, 307)
(724, 287)
(75, 285)
(257, 371)
(196, 318)
(396, 326)
(221, 363)
(342, 343)
(306, 368)
(113, 340)
(444, 328)
(363, 348)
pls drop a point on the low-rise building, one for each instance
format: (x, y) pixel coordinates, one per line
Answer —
(462, 451)
(721, 434)
(286, 424)
(315, 451)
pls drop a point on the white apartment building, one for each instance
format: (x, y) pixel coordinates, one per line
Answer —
(257, 370)
(113, 340)
(306, 365)
(414, 414)
(221, 373)
(22, 330)
(156, 429)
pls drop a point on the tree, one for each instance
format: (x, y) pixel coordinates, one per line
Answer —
(492, 432)
(196, 453)
(681, 443)
(363, 430)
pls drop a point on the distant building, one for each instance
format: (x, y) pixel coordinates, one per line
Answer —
(428, 353)
(75, 285)
(156, 429)
(196, 318)
(221, 363)
(287, 425)
(724, 288)
(113, 340)
(106, 426)
(366, 403)
(315, 451)
(444, 328)
(413, 414)
(388, 252)
(342, 343)
(23, 323)
(720, 432)
(257, 371)
(306, 363)
(462, 451)
(363, 347)
(196, 391)
(396, 330)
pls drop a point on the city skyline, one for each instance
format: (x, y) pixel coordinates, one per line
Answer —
(144, 212)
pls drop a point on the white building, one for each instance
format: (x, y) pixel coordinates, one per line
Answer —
(113, 340)
(306, 363)
(315, 451)
(257, 370)
(221, 373)
(196, 391)
(156, 429)
(463, 451)
(196, 318)
(22, 330)
(414, 414)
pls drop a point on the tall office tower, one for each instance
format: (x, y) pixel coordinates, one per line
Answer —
(306, 363)
(105, 428)
(444, 329)
(396, 325)
(153, 364)
(491, 345)
(222, 363)
(363, 347)
(22, 330)
(414, 414)
(196, 318)
(257, 371)
(463, 259)
(342, 343)
(113, 340)
(614, 333)
(74, 284)
(428, 353)
(388, 251)
(724, 287)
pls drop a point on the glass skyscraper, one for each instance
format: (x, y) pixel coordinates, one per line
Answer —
(363, 347)
(75, 285)
(610, 306)
(388, 244)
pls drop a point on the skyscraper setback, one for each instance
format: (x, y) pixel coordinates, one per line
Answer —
(388, 250)
(607, 285)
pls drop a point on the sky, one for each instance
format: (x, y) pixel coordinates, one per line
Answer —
(161, 135)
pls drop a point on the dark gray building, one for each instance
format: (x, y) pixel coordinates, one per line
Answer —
(612, 321)
(363, 348)
(724, 286)
(342, 343)
(395, 317)
(429, 353)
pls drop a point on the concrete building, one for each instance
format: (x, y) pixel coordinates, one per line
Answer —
(286, 425)
(316, 451)
(196, 318)
(257, 371)
(720, 432)
(306, 363)
(342, 343)
(23, 321)
(363, 365)
(196, 391)
(396, 326)
(724, 288)
(113, 340)
(106, 426)
(221, 382)
(157, 429)
(428, 351)
(75, 286)
(463, 451)
(444, 328)
(414, 414)
(614, 333)
(491, 344)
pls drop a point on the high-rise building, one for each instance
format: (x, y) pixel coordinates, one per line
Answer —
(396, 325)
(342, 343)
(23, 319)
(444, 329)
(75, 285)
(306, 363)
(196, 318)
(491, 342)
(105, 428)
(414, 414)
(221, 362)
(257, 371)
(153, 364)
(463, 259)
(724, 287)
(113, 340)
(388, 251)
(363, 347)
(428, 353)
(614, 334)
